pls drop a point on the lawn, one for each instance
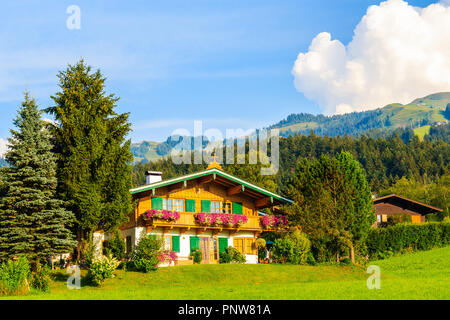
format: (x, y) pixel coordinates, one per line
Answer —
(423, 275)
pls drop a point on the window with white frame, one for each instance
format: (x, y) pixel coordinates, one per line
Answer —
(173, 205)
(220, 207)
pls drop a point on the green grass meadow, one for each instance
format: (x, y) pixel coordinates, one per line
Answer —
(422, 275)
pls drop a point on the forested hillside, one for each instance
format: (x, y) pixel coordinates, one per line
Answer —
(425, 116)
(419, 113)
(384, 160)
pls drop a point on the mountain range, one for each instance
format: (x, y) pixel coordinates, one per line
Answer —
(418, 115)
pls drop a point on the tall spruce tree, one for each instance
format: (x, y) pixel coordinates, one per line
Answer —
(332, 203)
(94, 170)
(33, 222)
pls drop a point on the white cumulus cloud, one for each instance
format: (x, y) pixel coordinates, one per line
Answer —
(3, 147)
(398, 53)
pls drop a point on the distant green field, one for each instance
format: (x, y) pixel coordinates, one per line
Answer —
(422, 131)
(300, 126)
(423, 275)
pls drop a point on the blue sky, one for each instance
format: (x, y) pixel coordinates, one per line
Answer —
(225, 62)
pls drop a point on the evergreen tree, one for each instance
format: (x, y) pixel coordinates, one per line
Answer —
(332, 203)
(94, 170)
(33, 221)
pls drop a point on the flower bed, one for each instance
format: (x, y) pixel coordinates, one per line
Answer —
(161, 214)
(273, 221)
(167, 257)
(220, 219)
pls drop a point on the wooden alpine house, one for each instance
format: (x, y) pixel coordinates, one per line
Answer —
(208, 210)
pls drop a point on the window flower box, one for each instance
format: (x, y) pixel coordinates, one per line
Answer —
(273, 221)
(165, 215)
(220, 219)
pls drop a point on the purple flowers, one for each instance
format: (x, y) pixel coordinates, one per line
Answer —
(273, 221)
(220, 219)
(167, 256)
(161, 214)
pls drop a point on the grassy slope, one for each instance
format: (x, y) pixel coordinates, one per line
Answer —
(423, 275)
(422, 131)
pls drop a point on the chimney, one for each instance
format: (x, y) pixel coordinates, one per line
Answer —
(152, 176)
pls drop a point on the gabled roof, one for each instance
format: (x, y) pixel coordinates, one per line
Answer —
(401, 198)
(220, 177)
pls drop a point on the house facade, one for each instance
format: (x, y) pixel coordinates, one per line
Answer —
(395, 204)
(179, 211)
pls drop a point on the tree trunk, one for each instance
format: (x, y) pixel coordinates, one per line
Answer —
(352, 254)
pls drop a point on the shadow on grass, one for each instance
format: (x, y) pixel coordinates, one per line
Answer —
(59, 276)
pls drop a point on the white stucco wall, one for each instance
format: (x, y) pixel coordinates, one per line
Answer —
(137, 232)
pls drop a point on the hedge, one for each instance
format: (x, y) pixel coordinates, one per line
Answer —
(402, 237)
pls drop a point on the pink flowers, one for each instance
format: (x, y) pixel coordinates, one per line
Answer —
(220, 219)
(161, 214)
(167, 256)
(273, 221)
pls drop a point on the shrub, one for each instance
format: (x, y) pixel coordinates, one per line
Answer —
(196, 255)
(293, 248)
(101, 269)
(117, 246)
(15, 277)
(282, 249)
(231, 255)
(146, 254)
(260, 243)
(384, 242)
(41, 278)
(310, 259)
(302, 247)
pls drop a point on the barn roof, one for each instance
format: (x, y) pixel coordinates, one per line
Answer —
(410, 202)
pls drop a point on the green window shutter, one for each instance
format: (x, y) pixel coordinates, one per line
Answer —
(152, 236)
(194, 242)
(206, 206)
(237, 208)
(176, 243)
(157, 203)
(223, 244)
(190, 205)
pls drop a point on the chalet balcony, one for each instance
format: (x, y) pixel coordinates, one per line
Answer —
(187, 221)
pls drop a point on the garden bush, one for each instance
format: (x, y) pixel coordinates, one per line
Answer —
(293, 248)
(15, 277)
(146, 254)
(116, 246)
(231, 255)
(384, 242)
(102, 268)
(41, 278)
(302, 247)
(196, 255)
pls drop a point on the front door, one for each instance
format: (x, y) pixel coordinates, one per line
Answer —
(204, 248)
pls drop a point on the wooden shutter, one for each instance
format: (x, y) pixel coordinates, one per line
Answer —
(237, 208)
(190, 205)
(194, 242)
(206, 206)
(223, 244)
(157, 203)
(176, 243)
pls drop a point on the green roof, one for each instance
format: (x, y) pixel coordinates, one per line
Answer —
(207, 172)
